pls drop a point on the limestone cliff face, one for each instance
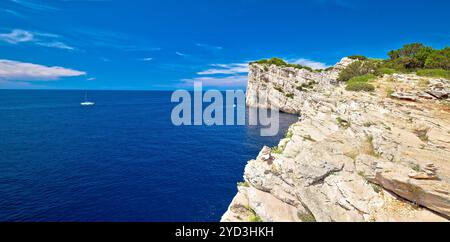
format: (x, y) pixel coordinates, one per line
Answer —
(284, 88)
(353, 156)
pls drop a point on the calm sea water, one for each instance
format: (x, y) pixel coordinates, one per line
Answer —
(121, 160)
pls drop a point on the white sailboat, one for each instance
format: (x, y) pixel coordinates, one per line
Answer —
(86, 102)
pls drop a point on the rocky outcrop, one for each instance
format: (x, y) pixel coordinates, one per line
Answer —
(286, 88)
(353, 156)
(435, 88)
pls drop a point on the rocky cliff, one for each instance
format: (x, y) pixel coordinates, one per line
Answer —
(352, 156)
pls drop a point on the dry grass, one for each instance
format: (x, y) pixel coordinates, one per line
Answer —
(368, 147)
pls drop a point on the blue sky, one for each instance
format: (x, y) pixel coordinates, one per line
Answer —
(164, 45)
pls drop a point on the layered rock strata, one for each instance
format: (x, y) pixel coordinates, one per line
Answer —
(352, 156)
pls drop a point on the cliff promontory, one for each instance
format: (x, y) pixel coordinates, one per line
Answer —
(381, 155)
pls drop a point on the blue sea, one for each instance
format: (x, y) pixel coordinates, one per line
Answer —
(121, 160)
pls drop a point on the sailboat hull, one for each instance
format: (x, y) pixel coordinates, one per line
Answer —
(87, 104)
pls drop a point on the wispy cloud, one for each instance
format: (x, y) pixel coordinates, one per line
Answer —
(146, 59)
(12, 12)
(229, 81)
(17, 36)
(221, 75)
(309, 63)
(180, 54)
(105, 59)
(235, 74)
(33, 5)
(226, 69)
(132, 48)
(209, 47)
(21, 71)
(56, 44)
(113, 40)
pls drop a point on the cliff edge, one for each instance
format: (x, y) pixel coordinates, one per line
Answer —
(352, 156)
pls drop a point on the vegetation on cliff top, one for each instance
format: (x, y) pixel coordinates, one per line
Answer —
(358, 57)
(418, 56)
(280, 62)
(358, 68)
(411, 58)
(434, 73)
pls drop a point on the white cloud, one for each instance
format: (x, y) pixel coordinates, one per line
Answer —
(14, 13)
(56, 44)
(180, 54)
(17, 36)
(146, 59)
(91, 79)
(226, 69)
(221, 75)
(210, 47)
(20, 71)
(34, 6)
(230, 81)
(309, 63)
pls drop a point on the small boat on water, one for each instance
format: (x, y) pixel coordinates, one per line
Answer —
(86, 102)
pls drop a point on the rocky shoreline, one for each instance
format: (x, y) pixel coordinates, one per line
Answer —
(352, 156)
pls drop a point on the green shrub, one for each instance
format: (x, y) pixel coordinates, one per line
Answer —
(360, 83)
(360, 86)
(357, 68)
(370, 148)
(343, 123)
(273, 61)
(434, 73)
(377, 188)
(279, 89)
(290, 95)
(386, 70)
(309, 84)
(280, 62)
(243, 184)
(393, 65)
(254, 218)
(439, 59)
(364, 78)
(411, 55)
(277, 149)
(358, 57)
(418, 56)
(368, 124)
(288, 135)
(389, 92)
(309, 138)
(306, 217)
(300, 88)
(417, 168)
